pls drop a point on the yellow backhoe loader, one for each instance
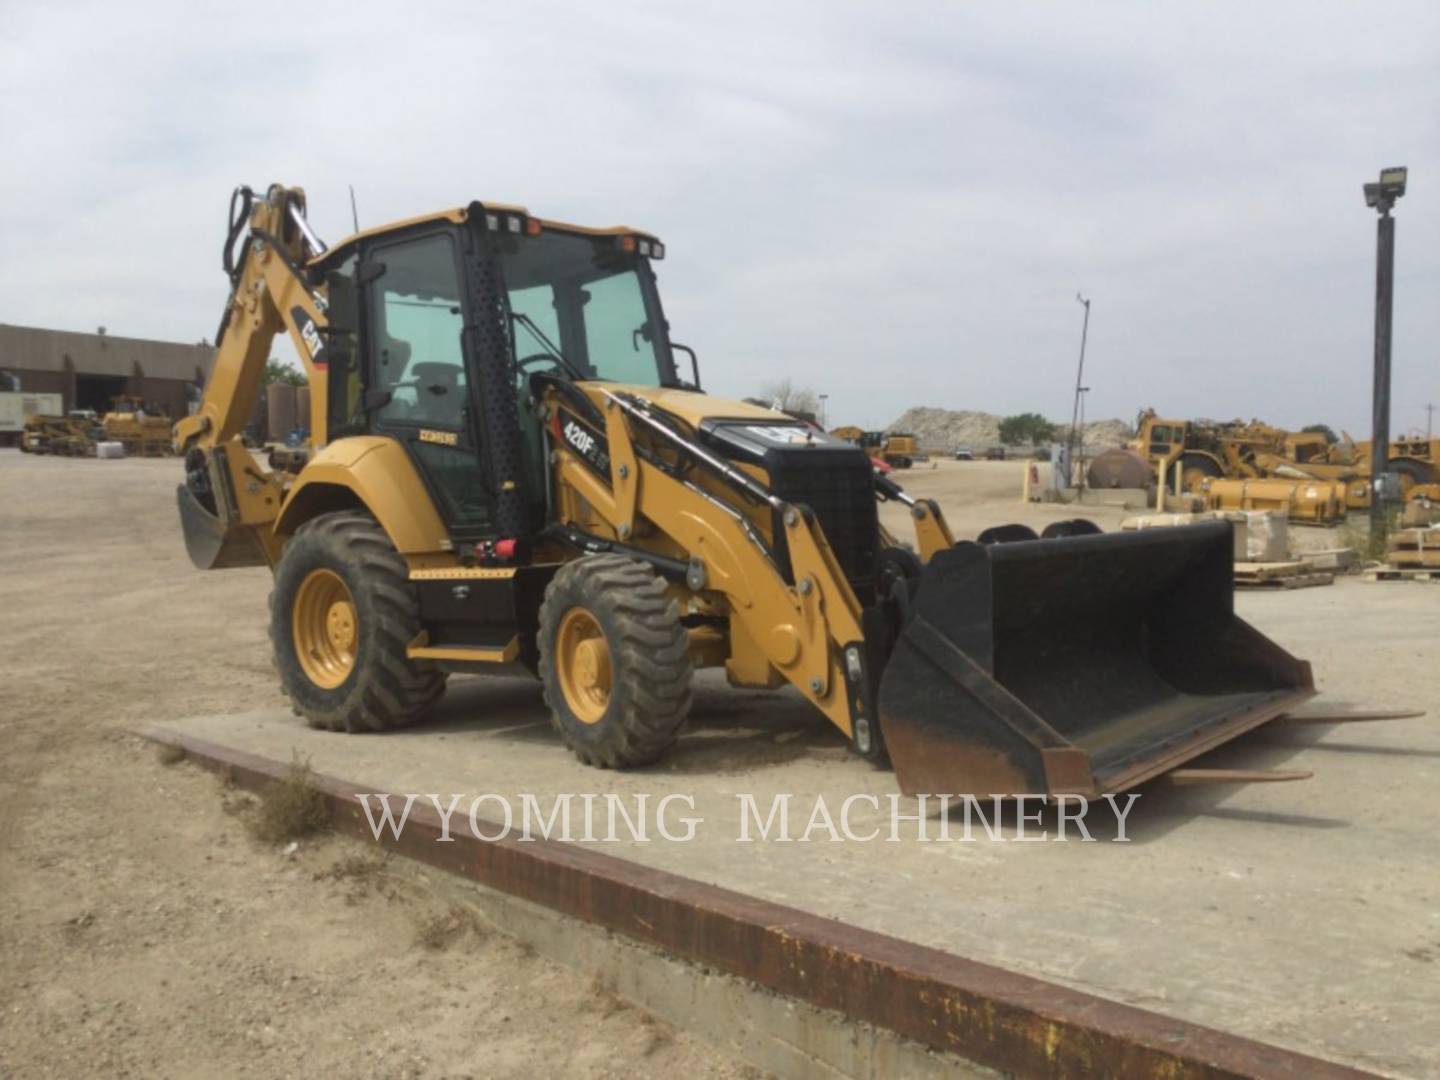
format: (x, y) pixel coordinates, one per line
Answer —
(512, 466)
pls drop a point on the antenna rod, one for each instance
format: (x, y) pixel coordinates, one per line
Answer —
(354, 213)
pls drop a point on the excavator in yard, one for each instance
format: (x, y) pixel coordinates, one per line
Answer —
(512, 467)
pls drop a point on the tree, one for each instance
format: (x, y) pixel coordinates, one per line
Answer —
(281, 372)
(787, 397)
(1321, 429)
(1026, 427)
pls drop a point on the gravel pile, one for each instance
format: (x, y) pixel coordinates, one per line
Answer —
(947, 429)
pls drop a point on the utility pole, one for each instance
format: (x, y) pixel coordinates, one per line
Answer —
(1429, 421)
(1079, 377)
(1381, 197)
(823, 399)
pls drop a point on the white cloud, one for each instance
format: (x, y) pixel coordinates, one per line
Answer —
(895, 204)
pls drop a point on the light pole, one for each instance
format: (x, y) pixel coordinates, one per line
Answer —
(1080, 438)
(1381, 197)
(1079, 375)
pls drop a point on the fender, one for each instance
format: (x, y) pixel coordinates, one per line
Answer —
(374, 472)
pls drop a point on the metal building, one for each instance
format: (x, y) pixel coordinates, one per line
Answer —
(90, 370)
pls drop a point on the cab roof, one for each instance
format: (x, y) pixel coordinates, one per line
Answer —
(460, 215)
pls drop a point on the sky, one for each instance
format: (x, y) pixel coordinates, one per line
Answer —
(892, 204)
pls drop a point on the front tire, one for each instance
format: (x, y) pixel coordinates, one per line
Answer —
(614, 661)
(1195, 469)
(342, 614)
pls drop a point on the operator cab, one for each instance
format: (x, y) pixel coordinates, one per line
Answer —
(437, 328)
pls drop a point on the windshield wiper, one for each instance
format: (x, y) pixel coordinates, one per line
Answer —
(548, 345)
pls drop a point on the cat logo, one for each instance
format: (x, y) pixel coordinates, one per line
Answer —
(440, 438)
(309, 333)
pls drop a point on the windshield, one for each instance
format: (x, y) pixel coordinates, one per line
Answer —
(595, 303)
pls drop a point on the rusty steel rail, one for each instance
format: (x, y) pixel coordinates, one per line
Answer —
(1002, 1019)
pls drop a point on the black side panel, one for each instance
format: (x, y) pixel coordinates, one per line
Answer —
(486, 612)
(489, 339)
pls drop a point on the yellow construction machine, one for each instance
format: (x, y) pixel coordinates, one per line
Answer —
(1413, 459)
(896, 450)
(513, 467)
(41, 432)
(1239, 466)
(1204, 450)
(142, 432)
(71, 435)
(1253, 466)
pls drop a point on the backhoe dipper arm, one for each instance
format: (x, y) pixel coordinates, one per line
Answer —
(270, 292)
(229, 502)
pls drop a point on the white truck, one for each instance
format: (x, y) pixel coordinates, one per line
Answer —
(16, 405)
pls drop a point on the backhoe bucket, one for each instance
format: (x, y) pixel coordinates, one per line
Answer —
(1084, 665)
(211, 544)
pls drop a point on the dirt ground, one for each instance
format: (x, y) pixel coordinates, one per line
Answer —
(143, 931)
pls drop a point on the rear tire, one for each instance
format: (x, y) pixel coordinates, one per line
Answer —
(614, 661)
(342, 614)
(1195, 469)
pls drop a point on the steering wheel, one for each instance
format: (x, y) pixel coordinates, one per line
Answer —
(535, 358)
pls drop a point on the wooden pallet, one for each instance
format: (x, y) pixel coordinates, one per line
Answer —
(1399, 573)
(1414, 549)
(1411, 559)
(1285, 575)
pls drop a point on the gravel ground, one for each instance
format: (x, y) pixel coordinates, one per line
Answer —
(144, 931)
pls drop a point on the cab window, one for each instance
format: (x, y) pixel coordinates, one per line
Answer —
(416, 339)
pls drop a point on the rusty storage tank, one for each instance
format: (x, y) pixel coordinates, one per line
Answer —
(255, 430)
(302, 407)
(1120, 468)
(279, 410)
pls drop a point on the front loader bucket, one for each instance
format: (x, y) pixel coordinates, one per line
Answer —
(1081, 665)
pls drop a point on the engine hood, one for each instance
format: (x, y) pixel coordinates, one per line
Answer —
(740, 430)
(693, 406)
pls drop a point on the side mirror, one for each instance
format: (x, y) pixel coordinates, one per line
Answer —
(694, 363)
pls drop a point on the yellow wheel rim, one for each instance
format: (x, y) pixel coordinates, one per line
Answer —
(326, 629)
(582, 659)
(1192, 478)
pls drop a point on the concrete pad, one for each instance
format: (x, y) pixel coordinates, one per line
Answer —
(780, 1036)
(1304, 914)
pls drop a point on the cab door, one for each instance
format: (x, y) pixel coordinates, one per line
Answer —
(419, 387)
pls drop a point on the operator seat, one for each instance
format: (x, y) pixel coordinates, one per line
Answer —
(440, 392)
(394, 359)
